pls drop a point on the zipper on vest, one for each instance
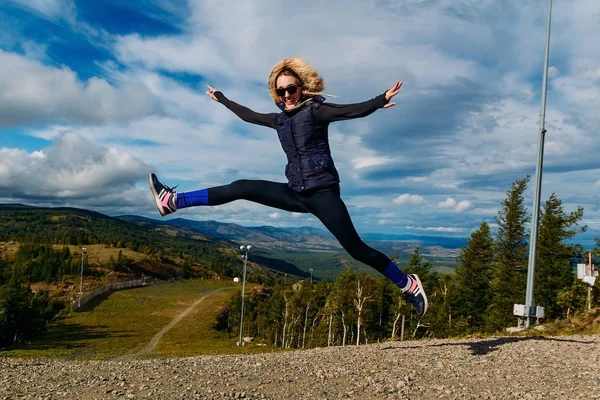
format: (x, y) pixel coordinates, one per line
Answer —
(293, 141)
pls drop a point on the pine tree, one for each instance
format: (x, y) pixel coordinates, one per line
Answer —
(416, 265)
(340, 305)
(430, 280)
(380, 319)
(440, 317)
(23, 314)
(572, 298)
(473, 276)
(318, 321)
(510, 267)
(4, 269)
(553, 271)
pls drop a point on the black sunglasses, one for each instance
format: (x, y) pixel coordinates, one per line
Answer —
(292, 89)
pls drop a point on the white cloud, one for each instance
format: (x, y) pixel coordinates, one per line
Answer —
(582, 88)
(457, 206)
(44, 94)
(449, 203)
(51, 9)
(174, 54)
(274, 215)
(480, 148)
(463, 206)
(589, 222)
(363, 162)
(217, 44)
(409, 199)
(71, 168)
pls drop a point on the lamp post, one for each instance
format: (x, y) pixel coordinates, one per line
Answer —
(311, 271)
(245, 249)
(83, 249)
(530, 313)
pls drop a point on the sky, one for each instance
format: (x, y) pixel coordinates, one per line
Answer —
(95, 95)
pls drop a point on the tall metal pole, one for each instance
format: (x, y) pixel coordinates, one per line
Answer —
(245, 256)
(591, 272)
(529, 308)
(81, 276)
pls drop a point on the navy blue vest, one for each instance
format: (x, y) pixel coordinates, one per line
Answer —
(306, 145)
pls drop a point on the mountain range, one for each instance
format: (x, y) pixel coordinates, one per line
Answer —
(294, 251)
(308, 246)
(294, 239)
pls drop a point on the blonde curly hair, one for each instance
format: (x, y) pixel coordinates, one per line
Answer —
(312, 83)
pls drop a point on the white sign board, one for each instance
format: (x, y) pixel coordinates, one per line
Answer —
(582, 270)
(590, 280)
(519, 310)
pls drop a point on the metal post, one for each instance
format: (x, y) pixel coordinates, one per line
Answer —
(589, 293)
(83, 249)
(245, 257)
(529, 316)
(402, 328)
(311, 271)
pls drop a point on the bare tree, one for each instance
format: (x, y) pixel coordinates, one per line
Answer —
(285, 318)
(305, 322)
(345, 328)
(359, 303)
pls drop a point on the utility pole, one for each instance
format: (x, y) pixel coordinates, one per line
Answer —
(246, 249)
(591, 272)
(83, 249)
(528, 313)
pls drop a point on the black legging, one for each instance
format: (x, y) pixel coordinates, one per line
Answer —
(325, 204)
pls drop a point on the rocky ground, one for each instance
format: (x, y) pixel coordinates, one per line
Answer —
(493, 368)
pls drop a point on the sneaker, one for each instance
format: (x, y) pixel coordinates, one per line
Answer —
(416, 295)
(164, 196)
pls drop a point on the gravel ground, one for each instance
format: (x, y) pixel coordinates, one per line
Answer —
(493, 368)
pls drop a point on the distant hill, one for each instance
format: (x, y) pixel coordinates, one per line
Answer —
(442, 241)
(24, 207)
(80, 226)
(165, 243)
(266, 237)
(181, 251)
(302, 238)
(308, 247)
(292, 251)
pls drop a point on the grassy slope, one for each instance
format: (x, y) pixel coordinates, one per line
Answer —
(124, 321)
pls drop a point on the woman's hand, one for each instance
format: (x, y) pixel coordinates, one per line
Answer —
(391, 93)
(211, 93)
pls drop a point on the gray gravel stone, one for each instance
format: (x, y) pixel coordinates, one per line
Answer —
(493, 368)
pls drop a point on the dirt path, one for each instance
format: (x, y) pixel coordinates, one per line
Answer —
(149, 348)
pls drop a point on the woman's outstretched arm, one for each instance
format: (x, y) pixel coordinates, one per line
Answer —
(244, 113)
(339, 112)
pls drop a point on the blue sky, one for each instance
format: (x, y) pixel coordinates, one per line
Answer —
(94, 95)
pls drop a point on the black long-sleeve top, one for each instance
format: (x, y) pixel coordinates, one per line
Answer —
(325, 114)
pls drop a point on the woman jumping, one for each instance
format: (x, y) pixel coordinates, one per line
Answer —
(313, 181)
